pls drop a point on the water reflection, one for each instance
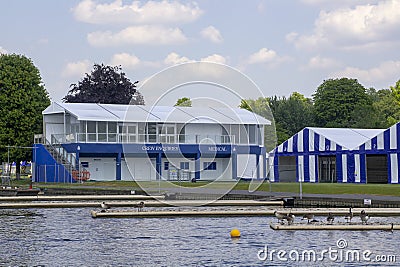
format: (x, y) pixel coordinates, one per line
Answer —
(69, 237)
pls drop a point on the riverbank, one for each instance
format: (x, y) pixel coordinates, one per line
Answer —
(311, 195)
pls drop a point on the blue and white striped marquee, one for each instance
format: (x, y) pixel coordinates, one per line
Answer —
(349, 146)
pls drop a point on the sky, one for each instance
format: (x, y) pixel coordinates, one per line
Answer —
(281, 46)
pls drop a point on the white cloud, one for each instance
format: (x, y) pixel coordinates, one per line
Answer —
(387, 71)
(319, 62)
(212, 34)
(148, 12)
(261, 6)
(336, 3)
(3, 51)
(214, 58)
(76, 69)
(264, 55)
(173, 59)
(146, 34)
(290, 37)
(353, 27)
(125, 60)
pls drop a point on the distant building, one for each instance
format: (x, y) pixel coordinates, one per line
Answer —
(128, 142)
(340, 155)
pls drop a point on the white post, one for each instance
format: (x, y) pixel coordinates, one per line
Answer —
(300, 180)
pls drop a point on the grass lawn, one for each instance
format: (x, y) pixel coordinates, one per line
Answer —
(308, 188)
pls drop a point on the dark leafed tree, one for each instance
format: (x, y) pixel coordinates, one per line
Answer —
(106, 85)
(22, 100)
(291, 114)
(339, 102)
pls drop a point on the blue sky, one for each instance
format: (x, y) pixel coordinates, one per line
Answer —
(283, 46)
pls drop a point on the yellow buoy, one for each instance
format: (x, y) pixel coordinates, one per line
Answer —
(235, 233)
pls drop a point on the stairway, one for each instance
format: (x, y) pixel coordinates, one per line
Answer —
(61, 156)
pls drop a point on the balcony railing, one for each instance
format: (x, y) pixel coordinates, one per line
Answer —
(141, 138)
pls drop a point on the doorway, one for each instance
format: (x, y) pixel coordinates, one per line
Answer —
(287, 169)
(377, 169)
(327, 169)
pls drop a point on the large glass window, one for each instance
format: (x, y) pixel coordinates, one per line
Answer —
(181, 131)
(252, 133)
(82, 131)
(132, 133)
(152, 132)
(210, 166)
(243, 135)
(235, 132)
(112, 132)
(166, 133)
(102, 131)
(91, 130)
(142, 132)
(184, 165)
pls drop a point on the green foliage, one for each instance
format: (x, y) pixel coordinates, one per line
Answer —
(106, 85)
(22, 100)
(291, 114)
(339, 102)
(385, 107)
(183, 102)
(396, 91)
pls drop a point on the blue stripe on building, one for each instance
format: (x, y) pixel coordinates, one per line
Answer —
(306, 140)
(306, 175)
(295, 140)
(327, 144)
(339, 171)
(350, 168)
(374, 143)
(316, 142)
(363, 169)
(386, 140)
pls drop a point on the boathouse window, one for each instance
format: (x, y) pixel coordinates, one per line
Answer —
(166, 166)
(210, 166)
(102, 131)
(112, 132)
(185, 165)
(91, 130)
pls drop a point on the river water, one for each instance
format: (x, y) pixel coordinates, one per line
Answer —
(70, 237)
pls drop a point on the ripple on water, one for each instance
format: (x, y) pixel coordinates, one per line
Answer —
(62, 237)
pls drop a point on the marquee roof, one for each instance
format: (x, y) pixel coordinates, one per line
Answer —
(312, 139)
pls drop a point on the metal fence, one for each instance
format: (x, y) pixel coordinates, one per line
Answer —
(53, 174)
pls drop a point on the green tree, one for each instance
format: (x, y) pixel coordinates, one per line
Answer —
(183, 102)
(291, 114)
(338, 102)
(22, 100)
(106, 85)
(396, 91)
(385, 106)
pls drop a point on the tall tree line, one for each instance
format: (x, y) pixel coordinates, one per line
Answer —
(337, 103)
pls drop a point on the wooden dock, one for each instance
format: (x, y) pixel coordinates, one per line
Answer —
(269, 211)
(79, 198)
(148, 203)
(179, 213)
(341, 227)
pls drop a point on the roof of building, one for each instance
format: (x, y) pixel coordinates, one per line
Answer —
(138, 113)
(347, 137)
(328, 139)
